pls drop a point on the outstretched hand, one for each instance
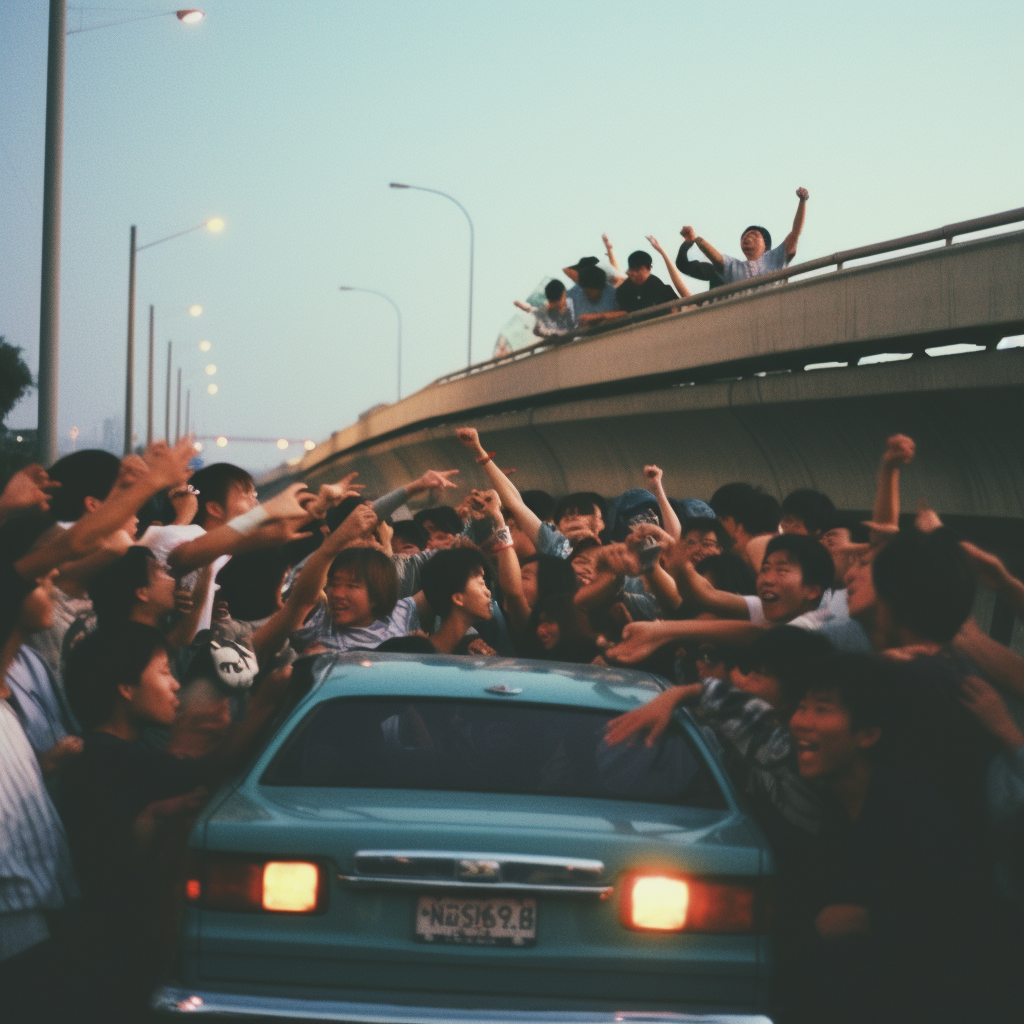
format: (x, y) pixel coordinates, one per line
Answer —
(652, 719)
(287, 505)
(27, 489)
(331, 495)
(168, 467)
(468, 436)
(639, 641)
(358, 523)
(656, 245)
(434, 480)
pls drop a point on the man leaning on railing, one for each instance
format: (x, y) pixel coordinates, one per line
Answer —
(760, 257)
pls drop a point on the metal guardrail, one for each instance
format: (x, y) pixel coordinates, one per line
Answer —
(837, 259)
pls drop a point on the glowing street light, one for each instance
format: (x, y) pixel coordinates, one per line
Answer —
(195, 310)
(222, 442)
(309, 445)
(204, 346)
(282, 443)
(210, 369)
(211, 389)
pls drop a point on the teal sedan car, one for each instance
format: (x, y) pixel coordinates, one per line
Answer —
(432, 838)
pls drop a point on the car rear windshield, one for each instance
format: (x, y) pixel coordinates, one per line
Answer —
(478, 746)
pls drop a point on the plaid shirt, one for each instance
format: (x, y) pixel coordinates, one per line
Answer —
(759, 752)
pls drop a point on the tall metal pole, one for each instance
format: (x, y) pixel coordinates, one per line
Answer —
(437, 192)
(49, 292)
(177, 415)
(149, 396)
(188, 402)
(167, 412)
(129, 379)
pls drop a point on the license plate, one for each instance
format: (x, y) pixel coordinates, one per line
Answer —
(477, 922)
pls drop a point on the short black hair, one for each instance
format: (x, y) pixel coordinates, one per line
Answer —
(861, 685)
(540, 503)
(728, 572)
(728, 499)
(411, 532)
(111, 657)
(443, 517)
(926, 581)
(639, 259)
(764, 232)
(554, 575)
(87, 474)
(112, 589)
(251, 581)
(554, 290)
(703, 523)
(447, 573)
(593, 277)
(814, 509)
(759, 513)
(797, 658)
(213, 484)
(580, 503)
(816, 566)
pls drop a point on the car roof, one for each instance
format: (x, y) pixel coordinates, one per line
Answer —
(369, 673)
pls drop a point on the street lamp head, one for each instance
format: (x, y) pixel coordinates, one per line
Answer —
(215, 224)
(190, 16)
(396, 184)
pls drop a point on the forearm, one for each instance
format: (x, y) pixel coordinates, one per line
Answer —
(185, 631)
(663, 587)
(511, 499)
(695, 588)
(612, 314)
(886, 510)
(677, 279)
(601, 592)
(669, 520)
(1004, 667)
(384, 506)
(798, 220)
(511, 582)
(711, 252)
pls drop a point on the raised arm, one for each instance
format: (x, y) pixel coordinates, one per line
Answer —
(696, 591)
(164, 468)
(432, 480)
(677, 279)
(669, 519)
(511, 499)
(798, 223)
(509, 576)
(899, 451)
(705, 247)
(610, 251)
(306, 589)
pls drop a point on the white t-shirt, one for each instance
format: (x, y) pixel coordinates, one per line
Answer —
(832, 608)
(734, 270)
(162, 540)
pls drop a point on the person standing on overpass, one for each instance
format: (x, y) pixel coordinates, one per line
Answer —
(759, 257)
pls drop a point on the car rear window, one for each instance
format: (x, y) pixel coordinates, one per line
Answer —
(486, 747)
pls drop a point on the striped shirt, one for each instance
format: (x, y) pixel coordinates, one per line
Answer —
(35, 865)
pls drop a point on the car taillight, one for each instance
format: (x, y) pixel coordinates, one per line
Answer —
(240, 883)
(676, 903)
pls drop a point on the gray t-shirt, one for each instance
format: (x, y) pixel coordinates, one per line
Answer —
(606, 303)
(739, 270)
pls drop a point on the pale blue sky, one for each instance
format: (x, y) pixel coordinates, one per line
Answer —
(551, 122)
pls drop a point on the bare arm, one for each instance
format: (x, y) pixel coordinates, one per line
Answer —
(509, 494)
(705, 247)
(310, 582)
(993, 574)
(610, 250)
(185, 631)
(798, 223)
(663, 587)
(899, 451)
(996, 660)
(641, 639)
(673, 273)
(669, 520)
(165, 468)
(510, 578)
(695, 589)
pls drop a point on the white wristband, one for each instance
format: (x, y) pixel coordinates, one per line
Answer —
(249, 521)
(502, 538)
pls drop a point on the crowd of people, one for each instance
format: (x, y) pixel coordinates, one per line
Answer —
(151, 616)
(604, 292)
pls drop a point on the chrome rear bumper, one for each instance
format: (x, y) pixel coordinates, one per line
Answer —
(215, 1004)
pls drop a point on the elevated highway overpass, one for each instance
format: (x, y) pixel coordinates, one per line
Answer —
(721, 390)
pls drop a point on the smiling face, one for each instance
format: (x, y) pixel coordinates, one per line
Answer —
(638, 274)
(698, 544)
(548, 633)
(826, 742)
(781, 587)
(752, 244)
(155, 699)
(240, 499)
(348, 601)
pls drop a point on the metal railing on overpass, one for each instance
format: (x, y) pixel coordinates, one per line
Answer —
(837, 260)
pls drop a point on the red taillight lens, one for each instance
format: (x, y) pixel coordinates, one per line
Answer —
(236, 883)
(675, 903)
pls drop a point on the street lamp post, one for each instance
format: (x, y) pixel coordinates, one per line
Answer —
(149, 396)
(398, 313)
(420, 188)
(53, 161)
(214, 224)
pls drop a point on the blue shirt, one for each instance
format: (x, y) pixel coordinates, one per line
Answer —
(738, 270)
(607, 303)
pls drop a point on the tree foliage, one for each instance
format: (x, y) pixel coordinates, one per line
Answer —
(15, 377)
